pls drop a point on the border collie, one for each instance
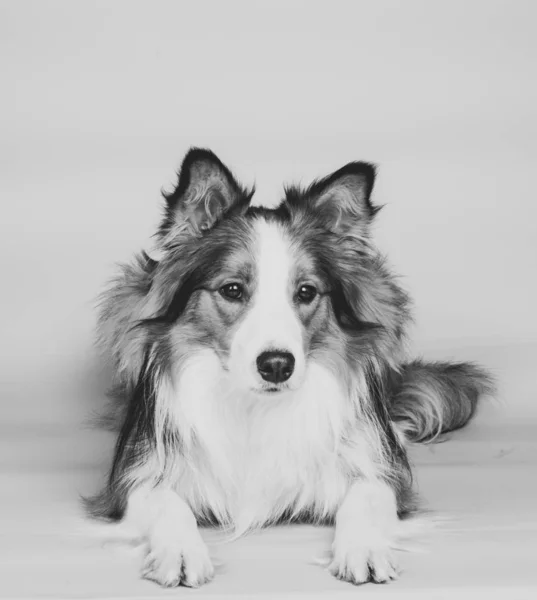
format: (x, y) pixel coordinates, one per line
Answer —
(261, 376)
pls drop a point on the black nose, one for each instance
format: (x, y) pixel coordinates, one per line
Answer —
(275, 366)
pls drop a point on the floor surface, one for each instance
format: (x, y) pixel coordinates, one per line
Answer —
(482, 483)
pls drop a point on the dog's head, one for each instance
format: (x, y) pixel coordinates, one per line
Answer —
(268, 291)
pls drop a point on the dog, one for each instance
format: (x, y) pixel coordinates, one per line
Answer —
(261, 377)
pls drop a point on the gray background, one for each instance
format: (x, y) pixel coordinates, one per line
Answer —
(100, 100)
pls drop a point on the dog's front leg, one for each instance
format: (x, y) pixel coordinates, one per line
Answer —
(366, 526)
(177, 554)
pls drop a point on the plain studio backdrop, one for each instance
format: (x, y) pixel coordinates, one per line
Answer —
(101, 99)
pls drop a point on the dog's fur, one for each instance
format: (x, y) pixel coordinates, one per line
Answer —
(205, 438)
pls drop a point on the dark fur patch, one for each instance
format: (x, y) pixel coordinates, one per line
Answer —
(135, 438)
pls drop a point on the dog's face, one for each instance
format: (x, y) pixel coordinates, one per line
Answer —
(263, 288)
(264, 307)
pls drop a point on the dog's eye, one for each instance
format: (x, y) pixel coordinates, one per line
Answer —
(232, 291)
(306, 294)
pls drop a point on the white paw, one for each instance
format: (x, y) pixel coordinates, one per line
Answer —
(188, 565)
(359, 564)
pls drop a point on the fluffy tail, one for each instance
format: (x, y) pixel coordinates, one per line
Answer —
(435, 398)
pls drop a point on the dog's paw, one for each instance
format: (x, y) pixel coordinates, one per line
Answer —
(359, 564)
(188, 565)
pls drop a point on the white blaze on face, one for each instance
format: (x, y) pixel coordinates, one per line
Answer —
(271, 323)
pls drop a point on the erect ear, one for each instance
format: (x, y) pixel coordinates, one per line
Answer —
(344, 198)
(206, 190)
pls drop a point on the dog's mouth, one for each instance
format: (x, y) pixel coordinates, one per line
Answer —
(277, 389)
(271, 390)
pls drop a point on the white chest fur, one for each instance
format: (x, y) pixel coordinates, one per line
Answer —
(249, 459)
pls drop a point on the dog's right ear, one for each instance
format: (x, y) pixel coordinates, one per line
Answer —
(205, 192)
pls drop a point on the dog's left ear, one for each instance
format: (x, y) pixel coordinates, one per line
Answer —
(205, 192)
(344, 198)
